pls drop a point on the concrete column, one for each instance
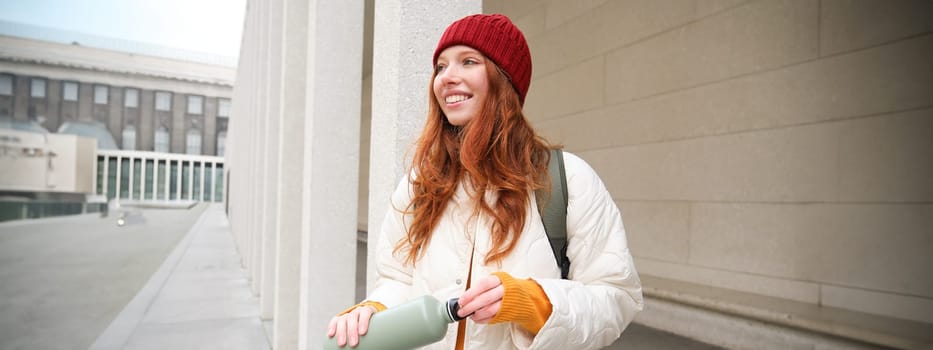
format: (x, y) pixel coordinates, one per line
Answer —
(7, 102)
(247, 121)
(200, 180)
(285, 332)
(142, 179)
(85, 101)
(250, 169)
(238, 141)
(257, 164)
(209, 144)
(270, 157)
(248, 125)
(178, 130)
(115, 114)
(106, 176)
(144, 126)
(53, 118)
(21, 97)
(404, 38)
(331, 165)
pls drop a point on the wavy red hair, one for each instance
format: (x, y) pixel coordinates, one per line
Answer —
(497, 151)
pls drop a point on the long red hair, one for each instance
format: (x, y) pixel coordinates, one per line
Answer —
(497, 151)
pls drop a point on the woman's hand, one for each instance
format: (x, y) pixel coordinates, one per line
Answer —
(350, 326)
(482, 301)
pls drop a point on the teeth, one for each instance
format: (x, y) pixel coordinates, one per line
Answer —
(456, 98)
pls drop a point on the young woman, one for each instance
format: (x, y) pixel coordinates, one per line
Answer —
(465, 221)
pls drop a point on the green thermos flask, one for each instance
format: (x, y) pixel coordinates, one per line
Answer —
(411, 325)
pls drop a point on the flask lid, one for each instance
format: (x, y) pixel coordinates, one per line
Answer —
(453, 306)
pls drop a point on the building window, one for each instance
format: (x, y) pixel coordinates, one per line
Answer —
(131, 98)
(37, 88)
(6, 84)
(129, 138)
(161, 140)
(163, 101)
(221, 143)
(70, 91)
(100, 94)
(223, 108)
(194, 104)
(193, 142)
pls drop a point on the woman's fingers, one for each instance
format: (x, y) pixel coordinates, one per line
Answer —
(342, 331)
(487, 313)
(485, 295)
(366, 313)
(481, 286)
(353, 333)
(332, 327)
(350, 326)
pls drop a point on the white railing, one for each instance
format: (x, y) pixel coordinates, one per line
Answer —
(140, 176)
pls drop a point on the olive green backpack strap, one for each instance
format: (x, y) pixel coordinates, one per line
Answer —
(554, 212)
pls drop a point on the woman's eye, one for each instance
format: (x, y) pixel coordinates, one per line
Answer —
(470, 61)
(439, 68)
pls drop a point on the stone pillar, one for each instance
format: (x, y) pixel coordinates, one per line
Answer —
(115, 114)
(241, 145)
(257, 165)
(21, 96)
(53, 113)
(250, 170)
(254, 121)
(178, 130)
(235, 139)
(7, 102)
(85, 101)
(404, 38)
(273, 78)
(331, 165)
(144, 126)
(291, 166)
(209, 144)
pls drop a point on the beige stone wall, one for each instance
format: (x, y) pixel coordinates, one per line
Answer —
(774, 147)
(34, 162)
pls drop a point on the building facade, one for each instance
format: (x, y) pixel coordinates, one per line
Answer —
(146, 103)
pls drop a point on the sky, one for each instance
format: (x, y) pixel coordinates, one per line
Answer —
(207, 26)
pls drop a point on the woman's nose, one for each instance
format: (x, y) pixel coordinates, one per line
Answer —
(449, 75)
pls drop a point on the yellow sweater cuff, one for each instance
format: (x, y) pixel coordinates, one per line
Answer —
(375, 304)
(524, 302)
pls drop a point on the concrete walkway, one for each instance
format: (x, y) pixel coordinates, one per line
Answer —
(198, 299)
(64, 279)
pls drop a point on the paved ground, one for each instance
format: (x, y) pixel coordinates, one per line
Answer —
(199, 298)
(171, 282)
(63, 280)
(638, 337)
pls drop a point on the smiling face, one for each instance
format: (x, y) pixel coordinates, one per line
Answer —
(461, 84)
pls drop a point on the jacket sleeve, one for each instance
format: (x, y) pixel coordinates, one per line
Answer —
(603, 292)
(394, 277)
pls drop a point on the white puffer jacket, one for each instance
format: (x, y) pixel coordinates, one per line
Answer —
(590, 309)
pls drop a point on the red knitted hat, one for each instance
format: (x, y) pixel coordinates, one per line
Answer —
(497, 38)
